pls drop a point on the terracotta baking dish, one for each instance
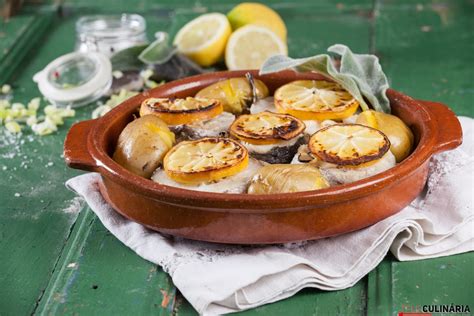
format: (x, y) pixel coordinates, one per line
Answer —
(259, 219)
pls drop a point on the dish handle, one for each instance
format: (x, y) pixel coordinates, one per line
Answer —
(76, 154)
(449, 132)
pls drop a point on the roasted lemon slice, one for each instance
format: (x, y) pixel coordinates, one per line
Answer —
(181, 111)
(205, 160)
(315, 100)
(349, 144)
(266, 128)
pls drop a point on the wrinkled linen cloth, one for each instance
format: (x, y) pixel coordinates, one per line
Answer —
(218, 279)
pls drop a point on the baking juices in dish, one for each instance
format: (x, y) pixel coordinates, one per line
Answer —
(232, 138)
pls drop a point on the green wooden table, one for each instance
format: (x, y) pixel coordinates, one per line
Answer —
(57, 258)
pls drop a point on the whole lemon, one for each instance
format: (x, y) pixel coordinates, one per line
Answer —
(257, 13)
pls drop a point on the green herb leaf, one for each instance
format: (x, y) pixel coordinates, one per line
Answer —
(127, 59)
(159, 51)
(360, 74)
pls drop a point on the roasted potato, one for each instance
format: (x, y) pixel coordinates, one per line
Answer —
(234, 93)
(400, 136)
(284, 178)
(142, 145)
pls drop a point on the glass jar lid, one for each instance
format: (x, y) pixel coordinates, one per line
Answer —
(75, 79)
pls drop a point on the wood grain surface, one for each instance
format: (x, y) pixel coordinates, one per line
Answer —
(58, 259)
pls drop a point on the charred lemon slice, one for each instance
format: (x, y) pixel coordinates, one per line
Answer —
(181, 111)
(349, 144)
(315, 100)
(266, 128)
(205, 160)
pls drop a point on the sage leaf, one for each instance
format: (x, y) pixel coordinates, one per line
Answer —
(127, 59)
(158, 52)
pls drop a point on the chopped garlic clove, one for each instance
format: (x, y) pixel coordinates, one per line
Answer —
(13, 127)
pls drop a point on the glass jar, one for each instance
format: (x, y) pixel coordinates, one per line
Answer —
(109, 34)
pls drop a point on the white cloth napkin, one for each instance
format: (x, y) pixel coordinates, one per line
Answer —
(218, 279)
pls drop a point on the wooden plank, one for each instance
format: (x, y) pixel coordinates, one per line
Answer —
(426, 50)
(72, 287)
(97, 258)
(215, 5)
(36, 212)
(101, 276)
(379, 289)
(307, 24)
(406, 286)
(447, 280)
(19, 35)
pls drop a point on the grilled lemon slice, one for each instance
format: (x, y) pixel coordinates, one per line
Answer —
(266, 128)
(349, 144)
(181, 111)
(315, 100)
(205, 160)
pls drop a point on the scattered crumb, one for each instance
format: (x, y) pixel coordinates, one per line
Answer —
(6, 88)
(75, 205)
(117, 74)
(426, 28)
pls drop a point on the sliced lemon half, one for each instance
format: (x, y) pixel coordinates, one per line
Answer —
(181, 111)
(250, 46)
(349, 144)
(266, 128)
(315, 100)
(256, 13)
(205, 160)
(204, 39)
